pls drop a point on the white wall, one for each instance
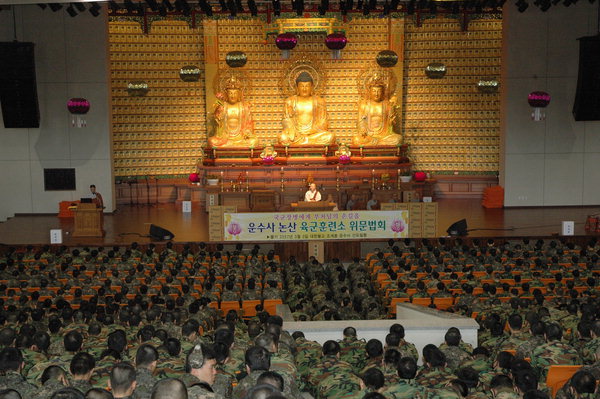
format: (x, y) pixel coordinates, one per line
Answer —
(553, 162)
(71, 61)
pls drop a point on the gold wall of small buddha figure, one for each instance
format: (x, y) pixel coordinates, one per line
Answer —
(159, 134)
(450, 126)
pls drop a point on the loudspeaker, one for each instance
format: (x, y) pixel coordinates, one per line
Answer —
(158, 233)
(18, 88)
(458, 228)
(587, 99)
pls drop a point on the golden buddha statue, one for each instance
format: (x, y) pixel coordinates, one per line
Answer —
(233, 119)
(378, 116)
(305, 116)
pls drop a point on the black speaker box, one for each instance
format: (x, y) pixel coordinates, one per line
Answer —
(18, 88)
(159, 233)
(458, 228)
(587, 99)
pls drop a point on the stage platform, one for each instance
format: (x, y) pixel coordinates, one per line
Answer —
(131, 223)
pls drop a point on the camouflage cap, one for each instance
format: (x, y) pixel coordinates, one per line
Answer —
(196, 357)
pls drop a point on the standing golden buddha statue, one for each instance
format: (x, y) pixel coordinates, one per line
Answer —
(305, 116)
(233, 119)
(378, 116)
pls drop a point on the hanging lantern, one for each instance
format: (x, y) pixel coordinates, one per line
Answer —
(194, 178)
(488, 85)
(78, 107)
(420, 176)
(387, 59)
(538, 100)
(137, 89)
(189, 73)
(236, 59)
(286, 43)
(336, 42)
(435, 70)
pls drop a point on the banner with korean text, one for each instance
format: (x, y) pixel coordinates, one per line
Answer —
(343, 225)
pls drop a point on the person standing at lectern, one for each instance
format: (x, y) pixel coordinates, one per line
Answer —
(312, 195)
(97, 197)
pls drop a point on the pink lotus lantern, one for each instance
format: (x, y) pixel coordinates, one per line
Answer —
(268, 160)
(538, 100)
(336, 42)
(286, 43)
(194, 178)
(344, 159)
(78, 107)
(420, 176)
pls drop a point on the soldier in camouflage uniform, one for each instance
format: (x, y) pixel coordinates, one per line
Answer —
(372, 381)
(171, 360)
(201, 364)
(258, 360)
(330, 365)
(526, 349)
(589, 349)
(553, 352)
(517, 336)
(308, 354)
(170, 388)
(53, 379)
(11, 361)
(502, 387)
(406, 387)
(434, 374)
(223, 380)
(146, 359)
(122, 381)
(352, 349)
(404, 347)
(81, 368)
(454, 354)
(581, 385)
(374, 350)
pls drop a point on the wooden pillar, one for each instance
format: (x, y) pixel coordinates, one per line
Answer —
(396, 43)
(211, 65)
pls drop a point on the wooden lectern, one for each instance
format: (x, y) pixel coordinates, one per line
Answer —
(310, 206)
(88, 221)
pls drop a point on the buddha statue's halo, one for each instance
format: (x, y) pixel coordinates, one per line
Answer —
(228, 78)
(375, 76)
(306, 69)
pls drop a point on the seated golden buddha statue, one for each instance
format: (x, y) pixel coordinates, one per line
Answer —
(378, 117)
(233, 119)
(305, 116)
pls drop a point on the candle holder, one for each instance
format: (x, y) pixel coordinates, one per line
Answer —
(373, 179)
(337, 178)
(221, 181)
(282, 180)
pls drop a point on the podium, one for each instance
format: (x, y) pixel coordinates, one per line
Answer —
(88, 221)
(310, 206)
